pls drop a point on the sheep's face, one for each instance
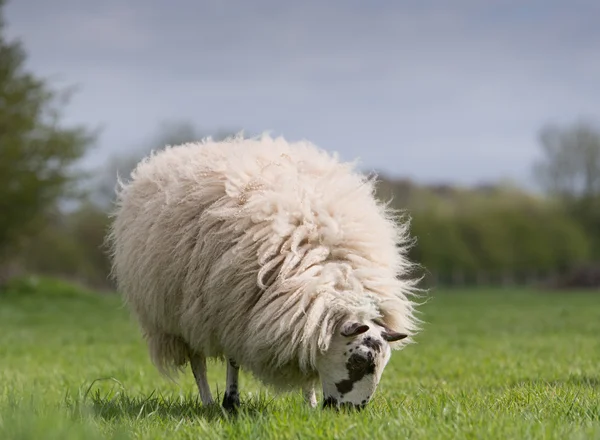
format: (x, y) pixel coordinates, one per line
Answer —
(351, 369)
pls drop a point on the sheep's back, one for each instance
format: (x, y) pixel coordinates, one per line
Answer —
(155, 231)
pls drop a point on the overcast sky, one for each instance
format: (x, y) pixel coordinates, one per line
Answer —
(430, 90)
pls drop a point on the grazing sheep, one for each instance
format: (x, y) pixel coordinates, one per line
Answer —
(272, 256)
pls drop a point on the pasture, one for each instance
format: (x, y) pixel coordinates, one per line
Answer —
(488, 364)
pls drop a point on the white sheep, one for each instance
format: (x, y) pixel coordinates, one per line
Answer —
(270, 255)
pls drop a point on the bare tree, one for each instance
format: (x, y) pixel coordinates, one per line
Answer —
(570, 170)
(570, 163)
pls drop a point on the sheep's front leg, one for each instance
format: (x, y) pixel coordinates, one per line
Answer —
(309, 395)
(198, 364)
(231, 400)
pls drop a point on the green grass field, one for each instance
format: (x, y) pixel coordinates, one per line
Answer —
(489, 364)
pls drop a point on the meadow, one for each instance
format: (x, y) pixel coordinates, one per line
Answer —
(489, 364)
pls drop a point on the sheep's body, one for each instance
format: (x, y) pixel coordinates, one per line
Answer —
(255, 250)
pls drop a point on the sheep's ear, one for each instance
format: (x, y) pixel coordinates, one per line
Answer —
(350, 329)
(392, 336)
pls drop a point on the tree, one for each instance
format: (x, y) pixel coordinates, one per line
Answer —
(570, 170)
(570, 163)
(121, 165)
(37, 155)
(440, 248)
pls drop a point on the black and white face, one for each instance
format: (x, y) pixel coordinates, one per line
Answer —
(351, 369)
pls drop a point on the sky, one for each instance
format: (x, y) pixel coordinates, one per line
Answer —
(434, 91)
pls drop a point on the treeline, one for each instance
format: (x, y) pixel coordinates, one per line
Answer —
(69, 245)
(478, 236)
(489, 235)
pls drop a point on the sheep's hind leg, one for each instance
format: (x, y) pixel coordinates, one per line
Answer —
(310, 396)
(231, 399)
(198, 364)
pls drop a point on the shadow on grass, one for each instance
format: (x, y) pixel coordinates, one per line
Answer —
(121, 405)
(579, 381)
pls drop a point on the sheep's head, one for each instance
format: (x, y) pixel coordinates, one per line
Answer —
(351, 368)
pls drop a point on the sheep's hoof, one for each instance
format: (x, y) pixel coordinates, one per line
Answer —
(231, 402)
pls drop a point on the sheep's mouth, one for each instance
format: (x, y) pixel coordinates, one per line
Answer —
(332, 403)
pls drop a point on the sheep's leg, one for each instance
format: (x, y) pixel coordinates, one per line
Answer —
(231, 400)
(198, 364)
(309, 395)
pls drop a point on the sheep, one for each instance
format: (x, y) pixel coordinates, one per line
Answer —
(267, 255)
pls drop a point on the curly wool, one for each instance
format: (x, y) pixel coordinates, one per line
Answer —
(256, 249)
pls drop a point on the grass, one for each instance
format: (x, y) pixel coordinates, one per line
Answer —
(489, 364)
